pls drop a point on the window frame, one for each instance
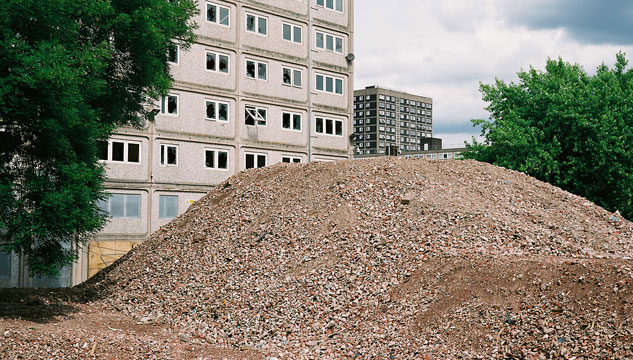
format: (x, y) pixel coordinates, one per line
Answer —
(126, 152)
(257, 113)
(217, 110)
(334, 38)
(177, 47)
(257, 64)
(257, 20)
(166, 216)
(324, 84)
(323, 4)
(292, 121)
(164, 108)
(164, 155)
(216, 158)
(217, 62)
(291, 159)
(255, 159)
(125, 208)
(292, 33)
(293, 77)
(206, 17)
(333, 126)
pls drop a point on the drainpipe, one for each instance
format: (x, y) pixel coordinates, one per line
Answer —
(309, 85)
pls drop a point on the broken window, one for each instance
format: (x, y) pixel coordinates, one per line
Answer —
(168, 155)
(291, 77)
(256, 24)
(217, 110)
(216, 159)
(291, 121)
(212, 14)
(169, 105)
(217, 62)
(256, 69)
(172, 54)
(250, 69)
(255, 116)
(287, 77)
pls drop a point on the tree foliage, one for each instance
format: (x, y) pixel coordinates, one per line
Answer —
(72, 71)
(565, 127)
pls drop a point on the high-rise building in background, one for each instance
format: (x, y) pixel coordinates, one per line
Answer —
(267, 81)
(390, 122)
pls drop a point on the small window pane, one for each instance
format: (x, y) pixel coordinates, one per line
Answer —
(262, 25)
(133, 206)
(339, 128)
(296, 160)
(224, 64)
(209, 160)
(328, 126)
(286, 76)
(329, 4)
(285, 120)
(250, 161)
(319, 82)
(168, 206)
(319, 125)
(223, 112)
(172, 54)
(261, 71)
(297, 34)
(211, 110)
(224, 16)
(261, 161)
(172, 104)
(249, 116)
(250, 69)
(329, 84)
(172, 155)
(319, 40)
(339, 45)
(133, 151)
(297, 78)
(339, 86)
(339, 5)
(211, 13)
(250, 23)
(117, 151)
(287, 32)
(5, 264)
(223, 160)
(329, 42)
(261, 120)
(211, 61)
(296, 122)
(320, 2)
(117, 205)
(285, 160)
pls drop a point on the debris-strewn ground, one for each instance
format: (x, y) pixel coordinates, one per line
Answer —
(383, 258)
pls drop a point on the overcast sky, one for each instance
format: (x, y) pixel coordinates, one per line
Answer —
(443, 48)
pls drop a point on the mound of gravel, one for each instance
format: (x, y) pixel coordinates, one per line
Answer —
(387, 258)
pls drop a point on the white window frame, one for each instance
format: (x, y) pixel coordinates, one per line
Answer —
(291, 159)
(324, 83)
(164, 102)
(334, 40)
(177, 47)
(323, 4)
(164, 151)
(217, 62)
(257, 73)
(126, 155)
(217, 110)
(216, 157)
(125, 214)
(218, 7)
(324, 126)
(292, 121)
(292, 33)
(254, 111)
(293, 76)
(255, 159)
(257, 20)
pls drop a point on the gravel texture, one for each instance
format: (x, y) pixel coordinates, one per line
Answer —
(383, 258)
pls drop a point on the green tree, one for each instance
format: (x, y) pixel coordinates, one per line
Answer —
(72, 71)
(565, 127)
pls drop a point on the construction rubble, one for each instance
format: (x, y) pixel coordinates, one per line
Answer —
(378, 259)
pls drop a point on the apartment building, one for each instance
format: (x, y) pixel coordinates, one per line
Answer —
(267, 81)
(390, 122)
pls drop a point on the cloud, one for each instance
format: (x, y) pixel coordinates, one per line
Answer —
(586, 21)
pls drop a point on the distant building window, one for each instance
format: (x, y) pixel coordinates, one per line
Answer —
(217, 111)
(169, 105)
(331, 4)
(5, 264)
(291, 77)
(121, 206)
(256, 70)
(120, 151)
(167, 206)
(216, 159)
(291, 121)
(256, 24)
(329, 126)
(217, 62)
(253, 161)
(329, 42)
(169, 155)
(329, 84)
(291, 33)
(290, 159)
(172, 53)
(255, 116)
(218, 14)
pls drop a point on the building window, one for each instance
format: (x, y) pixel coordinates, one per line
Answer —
(329, 42)
(291, 121)
(291, 77)
(291, 33)
(172, 53)
(329, 84)
(5, 264)
(329, 126)
(216, 159)
(120, 151)
(255, 116)
(218, 14)
(290, 159)
(167, 206)
(256, 24)
(256, 70)
(169, 155)
(217, 111)
(121, 206)
(254, 161)
(331, 4)
(169, 105)
(217, 62)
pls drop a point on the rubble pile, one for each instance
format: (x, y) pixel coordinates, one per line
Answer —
(387, 258)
